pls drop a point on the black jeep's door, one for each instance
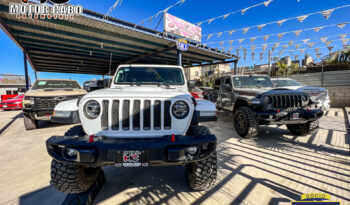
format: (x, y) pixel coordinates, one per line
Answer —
(226, 94)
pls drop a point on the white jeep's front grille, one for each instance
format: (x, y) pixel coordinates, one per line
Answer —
(135, 114)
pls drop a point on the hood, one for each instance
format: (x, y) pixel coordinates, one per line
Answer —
(137, 92)
(55, 92)
(252, 91)
(313, 91)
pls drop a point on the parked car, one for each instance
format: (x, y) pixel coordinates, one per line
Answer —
(196, 93)
(66, 112)
(146, 118)
(317, 94)
(96, 84)
(87, 85)
(12, 103)
(253, 100)
(40, 100)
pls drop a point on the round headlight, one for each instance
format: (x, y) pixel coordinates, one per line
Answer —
(180, 109)
(267, 100)
(92, 109)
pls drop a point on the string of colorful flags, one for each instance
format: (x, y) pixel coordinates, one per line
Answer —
(118, 2)
(242, 11)
(160, 12)
(280, 35)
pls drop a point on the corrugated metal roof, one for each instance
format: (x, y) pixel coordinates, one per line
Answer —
(84, 44)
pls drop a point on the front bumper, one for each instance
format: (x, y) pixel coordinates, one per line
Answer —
(285, 117)
(72, 118)
(38, 113)
(103, 151)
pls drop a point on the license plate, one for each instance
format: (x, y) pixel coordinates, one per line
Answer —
(132, 158)
(295, 116)
(4, 106)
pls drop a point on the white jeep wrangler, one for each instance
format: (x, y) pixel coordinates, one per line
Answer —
(147, 117)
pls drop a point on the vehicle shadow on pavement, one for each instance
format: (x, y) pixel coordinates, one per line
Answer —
(45, 195)
(20, 115)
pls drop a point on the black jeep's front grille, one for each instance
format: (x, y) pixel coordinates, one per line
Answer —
(287, 101)
(144, 115)
(51, 102)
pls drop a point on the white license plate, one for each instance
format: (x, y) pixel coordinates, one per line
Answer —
(4, 106)
(295, 116)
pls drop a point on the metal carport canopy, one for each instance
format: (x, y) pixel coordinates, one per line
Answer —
(85, 44)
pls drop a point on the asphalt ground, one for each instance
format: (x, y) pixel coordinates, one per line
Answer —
(274, 168)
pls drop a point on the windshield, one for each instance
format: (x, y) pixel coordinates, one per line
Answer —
(55, 84)
(149, 75)
(286, 83)
(252, 81)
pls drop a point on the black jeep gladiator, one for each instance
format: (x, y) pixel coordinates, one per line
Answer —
(253, 100)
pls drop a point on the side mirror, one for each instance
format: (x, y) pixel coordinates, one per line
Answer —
(191, 84)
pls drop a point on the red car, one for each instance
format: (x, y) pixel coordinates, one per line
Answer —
(12, 104)
(196, 93)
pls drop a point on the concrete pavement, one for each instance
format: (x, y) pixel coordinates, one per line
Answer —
(274, 168)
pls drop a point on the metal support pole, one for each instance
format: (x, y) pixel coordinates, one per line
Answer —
(179, 58)
(235, 67)
(26, 69)
(269, 72)
(36, 77)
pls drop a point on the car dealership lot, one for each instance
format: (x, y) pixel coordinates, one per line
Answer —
(274, 168)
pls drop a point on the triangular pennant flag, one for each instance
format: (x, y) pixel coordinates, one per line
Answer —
(245, 30)
(225, 16)
(266, 3)
(276, 45)
(290, 42)
(345, 41)
(302, 51)
(280, 53)
(204, 45)
(253, 56)
(330, 48)
(266, 37)
(253, 47)
(329, 42)
(240, 47)
(318, 29)
(252, 39)
(280, 35)
(297, 33)
(297, 46)
(310, 45)
(317, 50)
(296, 57)
(327, 13)
(221, 43)
(341, 25)
(230, 49)
(323, 39)
(306, 40)
(264, 47)
(150, 19)
(222, 49)
(342, 36)
(244, 10)
(261, 26)
(240, 40)
(244, 50)
(244, 56)
(230, 42)
(318, 55)
(284, 47)
(237, 52)
(209, 36)
(232, 31)
(273, 48)
(219, 34)
(302, 18)
(261, 56)
(281, 22)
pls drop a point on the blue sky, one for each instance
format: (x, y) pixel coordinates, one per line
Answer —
(194, 11)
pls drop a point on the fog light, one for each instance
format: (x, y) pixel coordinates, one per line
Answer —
(191, 150)
(72, 152)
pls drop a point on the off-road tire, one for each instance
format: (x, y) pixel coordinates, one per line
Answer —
(201, 175)
(305, 128)
(72, 179)
(29, 123)
(250, 125)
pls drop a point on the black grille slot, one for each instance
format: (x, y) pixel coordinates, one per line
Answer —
(125, 116)
(115, 115)
(147, 115)
(167, 117)
(157, 115)
(136, 115)
(286, 101)
(104, 117)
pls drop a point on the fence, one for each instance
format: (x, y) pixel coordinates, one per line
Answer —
(324, 79)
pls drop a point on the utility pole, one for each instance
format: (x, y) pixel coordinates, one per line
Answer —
(270, 53)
